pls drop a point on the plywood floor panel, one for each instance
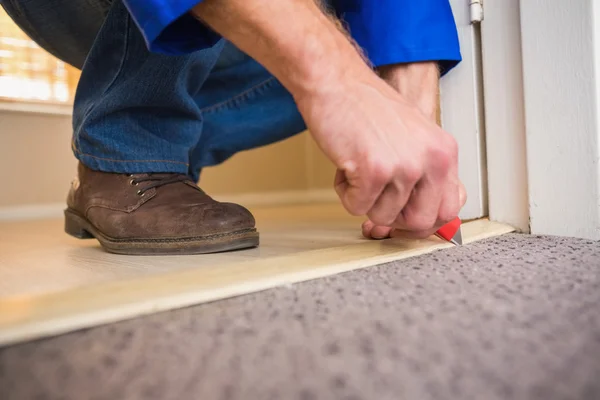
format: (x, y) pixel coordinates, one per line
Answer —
(50, 283)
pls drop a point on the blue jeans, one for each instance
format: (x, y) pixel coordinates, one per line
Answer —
(137, 111)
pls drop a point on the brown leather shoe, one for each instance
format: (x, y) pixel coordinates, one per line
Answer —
(154, 214)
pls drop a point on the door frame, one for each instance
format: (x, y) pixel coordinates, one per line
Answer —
(461, 109)
(508, 184)
(541, 78)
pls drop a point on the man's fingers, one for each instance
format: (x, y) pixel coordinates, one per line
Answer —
(413, 235)
(450, 204)
(452, 199)
(462, 195)
(389, 204)
(358, 195)
(421, 211)
(367, 227)
(372, 231)
(340, 184)
(381, 232)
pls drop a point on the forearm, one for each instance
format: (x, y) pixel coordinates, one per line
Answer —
(293, 39)
(418, 83)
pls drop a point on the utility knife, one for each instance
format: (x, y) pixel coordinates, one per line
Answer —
(451, 232)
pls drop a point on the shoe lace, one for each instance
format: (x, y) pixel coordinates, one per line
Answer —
(157, 181)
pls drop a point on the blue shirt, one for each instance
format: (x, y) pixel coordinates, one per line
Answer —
(389, 31)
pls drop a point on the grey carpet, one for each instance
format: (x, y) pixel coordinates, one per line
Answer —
(516, 317)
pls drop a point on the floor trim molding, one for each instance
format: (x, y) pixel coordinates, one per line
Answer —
(27, 317)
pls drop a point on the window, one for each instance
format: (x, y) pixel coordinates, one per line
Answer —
(28, 73)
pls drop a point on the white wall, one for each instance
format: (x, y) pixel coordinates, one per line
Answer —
(36, 163)
(560, 46)
(37, 166)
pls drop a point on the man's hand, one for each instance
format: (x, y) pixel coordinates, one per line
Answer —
(394, 164)
(418, 83)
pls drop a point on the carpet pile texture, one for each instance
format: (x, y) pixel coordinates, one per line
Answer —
(514, 317)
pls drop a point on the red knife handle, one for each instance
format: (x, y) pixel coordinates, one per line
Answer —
(448, 231)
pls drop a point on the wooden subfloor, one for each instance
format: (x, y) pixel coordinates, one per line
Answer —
(51, 283)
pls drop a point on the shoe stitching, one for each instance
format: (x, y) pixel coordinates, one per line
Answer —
(208, 237)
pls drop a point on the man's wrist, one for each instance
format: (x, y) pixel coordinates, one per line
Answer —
(417, 82)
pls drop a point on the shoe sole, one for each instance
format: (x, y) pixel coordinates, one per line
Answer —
(79, 227)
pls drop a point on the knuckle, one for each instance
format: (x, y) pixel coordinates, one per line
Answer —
(447, 215)
(451, 146)
(418, 222)
(380, 172)
(440, 157)
(412, 172)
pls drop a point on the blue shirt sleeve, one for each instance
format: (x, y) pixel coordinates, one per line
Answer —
(389, 31)
(401, 31)
(168, 27)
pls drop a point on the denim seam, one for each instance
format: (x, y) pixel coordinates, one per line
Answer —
(240, 96)
(129, 161)
(76, 144)
(123, 59)
(119, 70)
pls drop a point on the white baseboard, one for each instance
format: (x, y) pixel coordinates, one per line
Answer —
(33, 211)
(36, 108)
(281, 198)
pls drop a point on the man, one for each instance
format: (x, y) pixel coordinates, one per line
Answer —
(169, 87)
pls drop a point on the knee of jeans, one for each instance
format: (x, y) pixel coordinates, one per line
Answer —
(65, 30)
